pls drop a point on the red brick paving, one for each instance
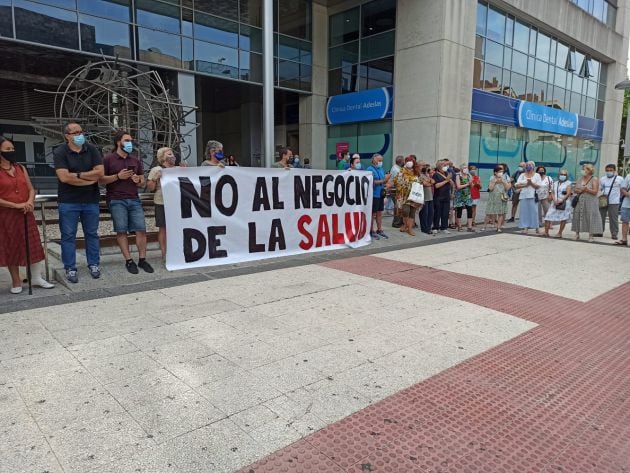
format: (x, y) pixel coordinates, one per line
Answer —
(555, 399)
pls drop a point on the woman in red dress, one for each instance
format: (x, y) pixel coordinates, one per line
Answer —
(17, 198)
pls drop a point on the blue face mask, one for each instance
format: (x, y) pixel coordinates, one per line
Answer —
(358, 166)
(219, 155)
(562, 178)
(610, 174)
(379, 164)
(296, 159)
(127, 147)
(79, 140)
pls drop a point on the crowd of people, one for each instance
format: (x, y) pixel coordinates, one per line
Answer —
(435, 196)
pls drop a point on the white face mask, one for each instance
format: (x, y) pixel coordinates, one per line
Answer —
(464, 170)
(409, 164)
(499, 174)
(444, 168)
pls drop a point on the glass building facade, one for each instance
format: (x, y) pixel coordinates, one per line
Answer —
(361, 57)
(602, 10)
(216, 37)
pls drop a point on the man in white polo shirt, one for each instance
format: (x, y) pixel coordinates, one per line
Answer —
(625, 211)
(610, 195)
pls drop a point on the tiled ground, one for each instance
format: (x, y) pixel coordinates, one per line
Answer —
(368, 364)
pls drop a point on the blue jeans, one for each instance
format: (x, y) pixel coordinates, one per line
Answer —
(127, 215)
(69, 217)
(426, 217)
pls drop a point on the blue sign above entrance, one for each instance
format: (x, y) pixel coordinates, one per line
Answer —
(367, 105)
(539, 117)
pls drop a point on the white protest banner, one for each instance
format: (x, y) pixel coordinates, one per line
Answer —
(229, 215)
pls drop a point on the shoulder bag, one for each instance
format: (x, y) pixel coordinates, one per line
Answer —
(576, 199)
(563, 204)
(603, 199)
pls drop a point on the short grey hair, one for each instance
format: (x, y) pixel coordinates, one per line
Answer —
(400, 160)
(212, 145)
(376, 155)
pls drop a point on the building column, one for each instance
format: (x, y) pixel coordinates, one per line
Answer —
(313, 127)
(187, 96)
(268, 84)
(435, 44)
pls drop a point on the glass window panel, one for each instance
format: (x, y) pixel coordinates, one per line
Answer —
(478, 74)
(223, 8)
(521, 37)
(591, 89)
(379, 73)
(216, 30)
(293, 49)
(494, 53)
(102, 36)
(289, 74)
(509, 31)
(159, 47)
(115, 9)
(519, 62)
(595, 66)
(334, 82)
(561, 55)
(344, 27)
(558, 98)
(560, 78)
(603, 73)
(188, 56)
(295, 18)
(343, 55)
(480, 44)
(530, 66)
(507, 58)
(552, 51)
(579, 61)
(610, 13)
(533, 34)
(576, 99)
(601, 94)
(489, 151)
(46, 25)
(251, 12)
(542, 70)
(474, 145)
(496, 25)
(517, 84)
(482, 11)
(216, 59)
(378, 46)
(6, 19)
(71, 4)
(529, 90)
(543, 47)
(378, 16)
(600, 109)
(250, 66)
(598, 10)
(187, 22)
(492, 78)
(250, 38)
(158, 16)
(577, 84)
(540, 92)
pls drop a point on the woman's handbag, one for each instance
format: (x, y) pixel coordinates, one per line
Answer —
(562, 205)
(504, 197)
(416, 194)
(576, 199)
(603, 199)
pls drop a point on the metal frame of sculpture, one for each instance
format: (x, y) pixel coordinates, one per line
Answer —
(107, 96)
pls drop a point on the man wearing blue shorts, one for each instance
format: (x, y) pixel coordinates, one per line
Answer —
(625, 211)
(124, 174)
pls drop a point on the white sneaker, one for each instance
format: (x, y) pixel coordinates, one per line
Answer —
(41, 282)
(448, 232)
(16, 290)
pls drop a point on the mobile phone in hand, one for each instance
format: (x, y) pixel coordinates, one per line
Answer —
(131, 168)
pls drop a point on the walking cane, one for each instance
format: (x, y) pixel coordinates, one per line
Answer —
(28, 256)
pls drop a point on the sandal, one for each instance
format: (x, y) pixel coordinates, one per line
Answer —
(622, 243)
(411, 232)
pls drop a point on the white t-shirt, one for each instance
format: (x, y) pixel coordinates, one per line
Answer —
(545, 188)
(626, 186)
(528, 192)
(615, 193)
(394, 171)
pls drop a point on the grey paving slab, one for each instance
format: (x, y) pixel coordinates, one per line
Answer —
(335, 357)
(92, 352)
(119, 367)
(175, 415)
(33, 366)
(142, 460)
(296, 409)
(252, 355)
(254, 417)
(199, 371)
(17, 427)
(289, 374)
(34, 456)
(275, 434)
(151, 337)
(180, 350)
(55, 384)
(187, 312)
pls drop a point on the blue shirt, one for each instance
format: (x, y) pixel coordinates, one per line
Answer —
(379, 175)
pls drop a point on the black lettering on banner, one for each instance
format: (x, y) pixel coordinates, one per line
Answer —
(340, 185)
(253, 246)
(276, 236)
(277, 203)
(189, 197)
(316, 204)
(218, 195)
(357, 191)
(329, 196)
(214, 243)
(349, 198)
(261, 195)
(365, 189)
(302, 191)
(190, 235)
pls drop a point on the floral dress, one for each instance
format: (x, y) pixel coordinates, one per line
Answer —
(462, 196)
(496, 203)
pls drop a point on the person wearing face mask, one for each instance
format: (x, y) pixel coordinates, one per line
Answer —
(17, 200)
(404, 180)
(463, 198)
(124, 173)
(380, 180)
(166, 159)
(344, 161)
(496, 208)
(442, 196)
(475, 191)
(516, 192)
(560, 203)
(79, 166)
(427, 210)
(355, 163)
(285, 155)
(543, 193)
(214, 154)
(609, 199)
(528, 182)
(586, 217)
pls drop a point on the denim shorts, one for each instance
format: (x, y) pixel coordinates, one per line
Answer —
(127, 215)
(625, 214)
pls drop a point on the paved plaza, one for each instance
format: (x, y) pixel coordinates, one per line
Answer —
(488, 353)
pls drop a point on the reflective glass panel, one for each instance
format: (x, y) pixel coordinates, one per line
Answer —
(496, 25)
(379, 73)
(561, 55)
(519, 62)
(46, 25)
(560, 78)
(492, 76)
(378, 46)
(71, 4)
(558, 98)
(591, 89)
(541, 71)
(215, 59)
(159, 47)
(343, 55)
(494, 53)
(223, 8)
(250, 38)
(533, 34)
(517, 84)
(295, 18)
(188, 56)
(344, 27)
(158, 16)
(6, 19)
(104, 36)
(293, 49)
(477, 74)
(521, 37)
(187, 22)
(543, 47)
(480, 46)
(289, 74)
(251, 12)
(509, 31)
(482, 11)
(540, 91)
(507, 59)
(115, 9)
(378, 16)
(250, 66)
(216, 30)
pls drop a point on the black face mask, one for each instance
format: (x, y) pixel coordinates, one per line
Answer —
(541, 172)
(10, 156)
